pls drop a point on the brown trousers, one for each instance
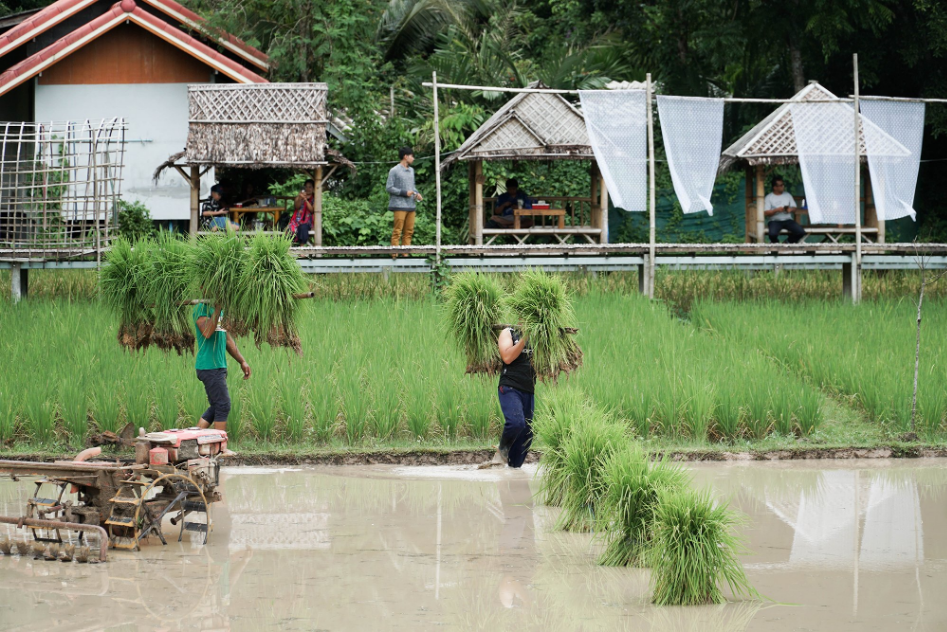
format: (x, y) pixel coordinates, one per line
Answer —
(404, 228)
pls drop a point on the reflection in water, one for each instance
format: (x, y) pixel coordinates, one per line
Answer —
(450, 548)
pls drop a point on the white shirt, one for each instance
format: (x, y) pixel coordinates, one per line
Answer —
(772, 201)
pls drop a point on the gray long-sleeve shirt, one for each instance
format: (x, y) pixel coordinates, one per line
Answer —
(400, 181)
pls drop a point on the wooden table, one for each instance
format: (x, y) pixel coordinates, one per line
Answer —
(236, 212)
(539, 212)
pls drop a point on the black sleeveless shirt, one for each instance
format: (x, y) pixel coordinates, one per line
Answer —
(519, 373)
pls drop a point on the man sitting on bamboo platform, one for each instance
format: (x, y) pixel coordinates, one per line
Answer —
(301, 222)
(402, 198)
(517, 400)
(776, 206)
(214, 211)
(213, 343)
(506, 203)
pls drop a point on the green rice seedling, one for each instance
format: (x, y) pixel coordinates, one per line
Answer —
(323, 400)
(293, 406)
(417, 403)
(261, 404)
(447, 406)
(123, 283)
(473, 305)
(627, 502)
(169, 284)
(480, 406)
(729, 412)
(809, 415)
(694, 550)
(193, 398)
(235, 423)
(40, 410)
(386, 411)
(106, 406)
(757, 413)
(216, 268)
(355, 405)
(166, 401)
(560, 410)
(591, 441)
(702, 408)
(782, 409)
(9, 406)
(541, 306)
(74, 406)
(931, 409)
(269, 278)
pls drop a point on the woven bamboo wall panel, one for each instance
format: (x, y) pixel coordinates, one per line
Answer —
(553, 119)
(272, 102)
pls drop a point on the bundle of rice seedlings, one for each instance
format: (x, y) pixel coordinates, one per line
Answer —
(593, 438)
(216, 267)
(694, 550)
(631, 485)
(559, 410)
(123, 282)
(542, 307)
(473, 306)
(270, 278)
(169, 286)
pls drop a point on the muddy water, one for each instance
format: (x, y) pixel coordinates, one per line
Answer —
(851, 546)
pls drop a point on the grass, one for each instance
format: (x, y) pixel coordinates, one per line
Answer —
(694, 550)
(381, 372)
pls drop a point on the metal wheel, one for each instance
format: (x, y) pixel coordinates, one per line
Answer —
(138, 513)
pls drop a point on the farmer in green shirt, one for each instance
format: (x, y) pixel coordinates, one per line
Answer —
(213, 344)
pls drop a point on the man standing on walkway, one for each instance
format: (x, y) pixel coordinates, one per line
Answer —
(403, 198)
(777, 207)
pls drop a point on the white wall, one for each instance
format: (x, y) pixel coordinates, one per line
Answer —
(155, 112)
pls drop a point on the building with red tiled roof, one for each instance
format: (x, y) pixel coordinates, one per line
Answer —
(99, 59)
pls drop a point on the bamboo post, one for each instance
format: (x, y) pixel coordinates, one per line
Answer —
(856, 285)
(748, 202)
(437, 171)
(317, 208)
(760, 195)
(19, 282)
(195, 182)
(478, 202)
(651, 192)
(471, 204)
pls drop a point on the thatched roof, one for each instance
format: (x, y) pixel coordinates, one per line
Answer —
(773, 142)
(256, 126)
(531, 126)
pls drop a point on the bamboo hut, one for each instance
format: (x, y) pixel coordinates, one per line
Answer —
(771, 143)
(256, 126)
(535, 126)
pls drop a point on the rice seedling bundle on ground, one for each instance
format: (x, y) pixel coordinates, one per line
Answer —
(473, 307)
(593, 438)
(265, 302)
(631, 486)
(543, 309)
(169, 286)
(217, 267)
(124, 285)
(694, 551)
(559, 410)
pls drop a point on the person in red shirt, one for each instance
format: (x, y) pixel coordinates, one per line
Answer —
(303, 214)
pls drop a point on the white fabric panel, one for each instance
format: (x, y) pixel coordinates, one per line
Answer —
(692, 129)
(893, 174)
(618, 131)
(825, 140)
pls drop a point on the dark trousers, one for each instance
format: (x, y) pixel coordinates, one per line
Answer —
(215, 385)
(302, 233)
(517, 434)
(796, 232)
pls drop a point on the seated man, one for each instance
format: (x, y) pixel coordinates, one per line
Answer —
(776, 206)
(214, 212)
(512, 199)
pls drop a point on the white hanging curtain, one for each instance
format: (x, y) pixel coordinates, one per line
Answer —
(825, 142)
(692, 129)
(618, 131)
(893, 136)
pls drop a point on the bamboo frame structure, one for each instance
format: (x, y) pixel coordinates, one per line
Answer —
(60, 185)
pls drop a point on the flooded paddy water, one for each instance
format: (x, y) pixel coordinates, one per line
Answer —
(857, 545)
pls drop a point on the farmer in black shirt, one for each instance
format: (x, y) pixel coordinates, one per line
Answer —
(517, 384)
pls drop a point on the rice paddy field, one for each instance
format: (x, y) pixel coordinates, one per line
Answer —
(745, 365)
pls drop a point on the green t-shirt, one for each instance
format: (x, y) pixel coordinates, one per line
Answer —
(211, 352)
